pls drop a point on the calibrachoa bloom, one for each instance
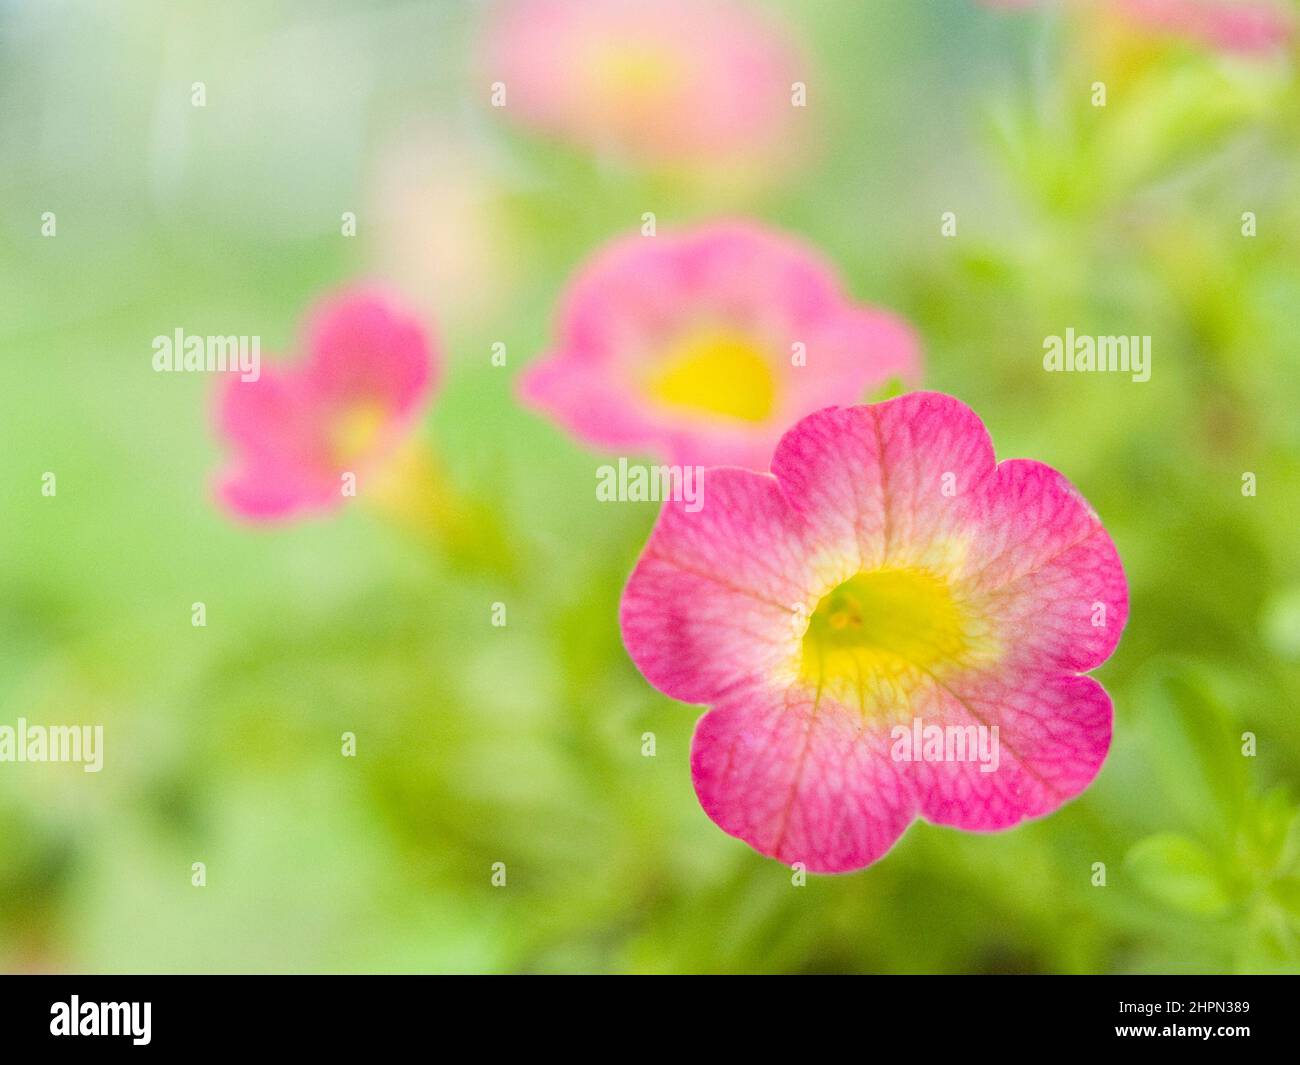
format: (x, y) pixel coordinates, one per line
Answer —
(1240, 26)
(668, 80)
(297, 430)
(886, 578)
(703, 347)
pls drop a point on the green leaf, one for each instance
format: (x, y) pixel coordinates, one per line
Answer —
(1269, 833)
(1179, 872)
(895, 386)
(1286, 893)
(1196, 753)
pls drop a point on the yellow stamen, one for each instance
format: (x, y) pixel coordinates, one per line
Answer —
(355, 431)
(632, 71)
(720, 374)
(878, 627)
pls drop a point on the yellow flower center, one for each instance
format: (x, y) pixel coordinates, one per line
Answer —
(632, 71)
(356, 430)
(721, 374)
(878, 626)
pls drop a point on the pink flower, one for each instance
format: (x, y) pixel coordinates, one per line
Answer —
(887, 578)
(1250, 27)
(1246, 27)
(297, 430)
(702, 348)
(662, 81)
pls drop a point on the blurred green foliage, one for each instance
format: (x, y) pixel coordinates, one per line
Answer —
(522, 744)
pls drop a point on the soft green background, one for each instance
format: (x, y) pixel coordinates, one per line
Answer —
(523, 744)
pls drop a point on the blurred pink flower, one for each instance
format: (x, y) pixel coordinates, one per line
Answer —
(669, 80)
(1246, 27)
(888, 579)
(703, 347)
(1241, 26)
(297, 430)
(438, 226)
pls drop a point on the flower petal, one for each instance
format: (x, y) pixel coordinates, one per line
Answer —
(574, 394)
(363, 348)
(891, 483)
(712, 603)
(1053, 734)
(1046, 573)
(280, 466)
(265, 493)
(799, 781)
(265, 416)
